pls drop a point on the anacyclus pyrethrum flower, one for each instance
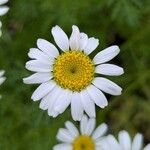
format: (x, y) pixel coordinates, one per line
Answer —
(69, 75)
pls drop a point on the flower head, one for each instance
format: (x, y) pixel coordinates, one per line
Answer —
(85, 139)
(69, 75)
(124, 142)
(3, 11)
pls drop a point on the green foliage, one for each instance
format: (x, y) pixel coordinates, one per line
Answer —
(123, 22)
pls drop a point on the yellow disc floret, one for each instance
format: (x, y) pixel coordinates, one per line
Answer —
(83, 142)
(73, 70)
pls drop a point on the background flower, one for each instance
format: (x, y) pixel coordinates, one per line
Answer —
(124, 142)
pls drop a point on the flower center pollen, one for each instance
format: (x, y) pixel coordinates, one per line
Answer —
(83, 142)
(73, 70)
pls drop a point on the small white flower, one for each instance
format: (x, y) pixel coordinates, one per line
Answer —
(124, 142)
(2, 78)
(69, 75)
(85, 139)
(3, 11)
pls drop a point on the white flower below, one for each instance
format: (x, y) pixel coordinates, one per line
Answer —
(85, 139)
(69, 76)
(124, 142)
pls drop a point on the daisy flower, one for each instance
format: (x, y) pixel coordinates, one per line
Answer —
(3, 11)
(69, 75)
(2, 78)
(85, 139)
(124, 142)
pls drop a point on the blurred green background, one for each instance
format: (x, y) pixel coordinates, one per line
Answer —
(123, 22)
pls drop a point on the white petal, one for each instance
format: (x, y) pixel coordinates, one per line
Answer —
(54, 114)
(55, 98)
(88, 104)
(72, 129)
(38, 66)
(47, 48)
(2, 72)
(45, 102)
(106, 54)
(49, 100)
(83, 41)
(147, 147)
(90, 126)
(43, 90)
(124, 140)
(76, 107)
(97, 96)
(35, 53)
(83, 124)
(75, 37)
(61, 108)
(91, 45)
(0, 24)
(60, 38)
(3, 2)
(113, 142)
(137, 142)
(100, 131)
(0, 28)
(62, 146)
(38, 78)
(99, 148)
(107, 86)
(63, 102)
(2, 79)
(3, 10)
(109, 69)
(103, 144)
(64, 136)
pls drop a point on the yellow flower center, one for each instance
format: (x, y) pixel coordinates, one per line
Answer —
(73, 70)
(83, 142)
